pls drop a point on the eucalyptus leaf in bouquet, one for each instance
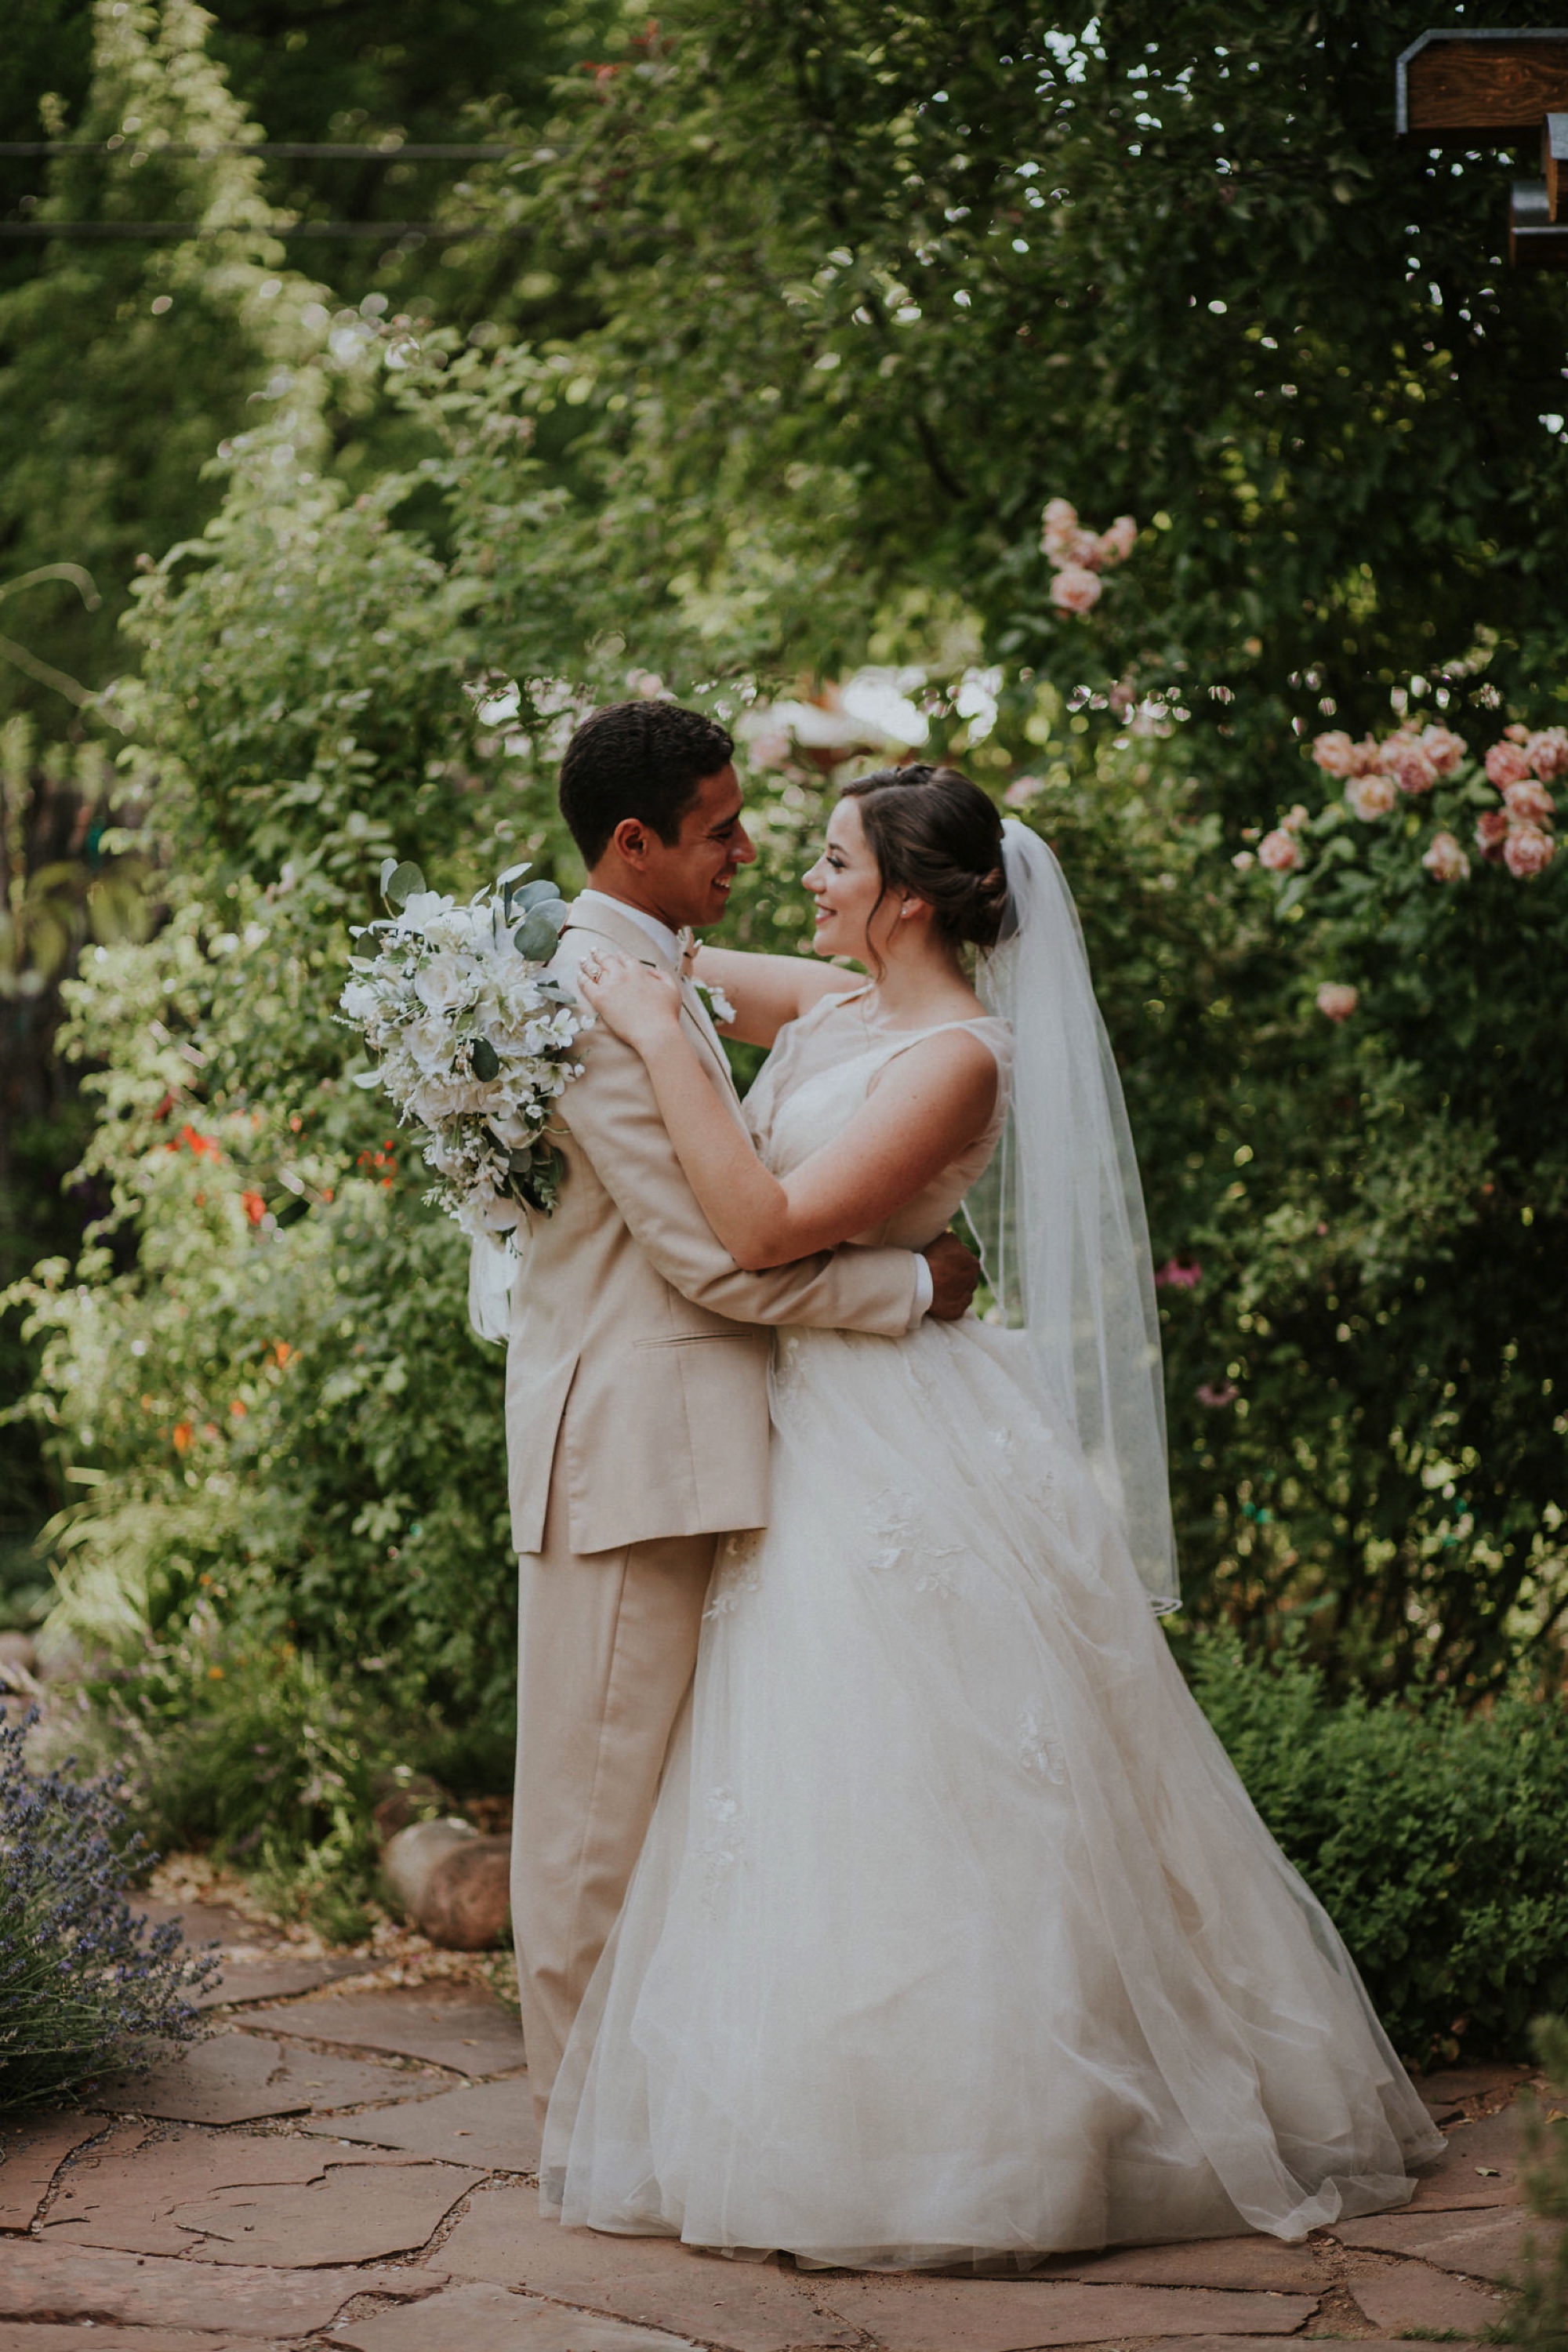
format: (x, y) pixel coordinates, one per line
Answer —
(475, 1039)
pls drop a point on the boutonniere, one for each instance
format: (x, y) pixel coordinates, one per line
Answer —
(720, 1009)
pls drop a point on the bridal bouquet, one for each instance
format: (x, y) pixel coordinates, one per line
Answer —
(476, 1041)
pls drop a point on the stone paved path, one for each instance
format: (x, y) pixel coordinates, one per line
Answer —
(344, 2166)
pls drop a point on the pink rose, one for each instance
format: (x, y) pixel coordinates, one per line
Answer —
(1516, 733)
(1115, 545)
(1335, 753)
(1337, 1001)
(1174, 1276)
(1279, 851)
(1492, 832)
(1297, 817)
(1075, 590)
(1216, 1393)
(1444, 860)
(1366, 758)
(1059, 530)
(1548, 753)
(1442, 748)
(1244, 861)
(1506, 764)
(1407, 763)
(1530, 802)
(1371, 796)
(1020, 790)
(1526, 850)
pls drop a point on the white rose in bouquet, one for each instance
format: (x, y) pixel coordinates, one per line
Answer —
(476, 1041)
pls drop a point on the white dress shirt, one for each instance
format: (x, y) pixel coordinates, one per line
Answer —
(664, 937)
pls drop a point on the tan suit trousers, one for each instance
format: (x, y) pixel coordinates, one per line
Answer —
(607, 1645)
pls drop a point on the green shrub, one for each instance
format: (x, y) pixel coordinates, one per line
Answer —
(1539, 2316)
(1439, 1841)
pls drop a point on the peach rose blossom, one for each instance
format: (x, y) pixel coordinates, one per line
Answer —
(1059, 531)
(1506, 764)
(1371, 796)
(1297, 817)
(1406, 762)
(1366, 758)
(1335, 753)
(1075, 590)
(1526, 850)
(1117, 544)
(1516, 733)
(1244, 861)
(1444, 860)
(1442, 748)
(1548, 753)
(1337, 1001)
(1278, 851)
(1492, 832)
(1530, 802)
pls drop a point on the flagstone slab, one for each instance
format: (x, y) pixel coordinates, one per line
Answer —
(1466, 2084)
(70, 2335)
(241, 2078)
(276, 1981)
(67, 2283)
(653, 2281)
(492, 2124)
(355, 2212)
(31, 2153)
(1480, 2166)
(944, 2314)
(485, 2318)
(1488, 2246)
(205, 1923)
(1411, 2296)
(124, 2193)
(458, 2028)
(1259, 2262)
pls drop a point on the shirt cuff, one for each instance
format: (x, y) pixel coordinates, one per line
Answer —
(925, 1291)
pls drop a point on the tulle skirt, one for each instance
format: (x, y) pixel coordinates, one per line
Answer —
(956, 1937)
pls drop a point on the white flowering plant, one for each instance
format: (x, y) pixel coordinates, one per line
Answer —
(476, 1041)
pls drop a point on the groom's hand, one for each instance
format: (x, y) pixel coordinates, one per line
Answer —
(955, 1272)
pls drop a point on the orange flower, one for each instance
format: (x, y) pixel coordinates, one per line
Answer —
(238, 1408)
(182, 1435)
(255, 1207)
(282, 1351)
(204, 1147)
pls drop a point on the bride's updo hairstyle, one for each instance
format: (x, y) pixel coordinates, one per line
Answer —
(935, 835)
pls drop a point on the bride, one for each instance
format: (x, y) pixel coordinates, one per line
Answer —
(955, 1937)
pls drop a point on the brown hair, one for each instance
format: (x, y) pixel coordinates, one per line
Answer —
(935, 835)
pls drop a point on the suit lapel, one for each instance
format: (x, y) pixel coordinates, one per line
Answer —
(637, 943)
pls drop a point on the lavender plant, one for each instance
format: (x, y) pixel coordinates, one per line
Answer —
(86, 1988)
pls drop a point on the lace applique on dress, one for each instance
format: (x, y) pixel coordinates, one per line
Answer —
(1038, 1751)
(721, 1846)
(894, 1519)
(737, 1571)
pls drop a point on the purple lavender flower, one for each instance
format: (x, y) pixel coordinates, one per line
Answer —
(86, 1990)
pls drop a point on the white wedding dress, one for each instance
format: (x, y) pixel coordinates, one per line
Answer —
(956, 1936)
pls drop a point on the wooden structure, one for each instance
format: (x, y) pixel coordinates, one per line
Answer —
(1458, 84)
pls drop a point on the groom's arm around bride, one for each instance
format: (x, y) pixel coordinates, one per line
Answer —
(637, 1374)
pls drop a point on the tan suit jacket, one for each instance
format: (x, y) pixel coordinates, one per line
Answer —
(636, 1372)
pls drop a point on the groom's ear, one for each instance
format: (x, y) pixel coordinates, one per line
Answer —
(632, 841)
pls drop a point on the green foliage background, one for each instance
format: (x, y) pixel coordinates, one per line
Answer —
(800, 318)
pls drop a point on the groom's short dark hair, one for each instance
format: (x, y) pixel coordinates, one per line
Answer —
(642, 758)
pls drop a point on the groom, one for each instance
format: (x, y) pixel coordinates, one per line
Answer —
(636, 1370)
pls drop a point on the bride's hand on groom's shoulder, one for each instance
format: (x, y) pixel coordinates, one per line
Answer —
(636, 1002)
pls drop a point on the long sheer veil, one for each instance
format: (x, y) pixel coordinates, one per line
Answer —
(1060, 1212)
